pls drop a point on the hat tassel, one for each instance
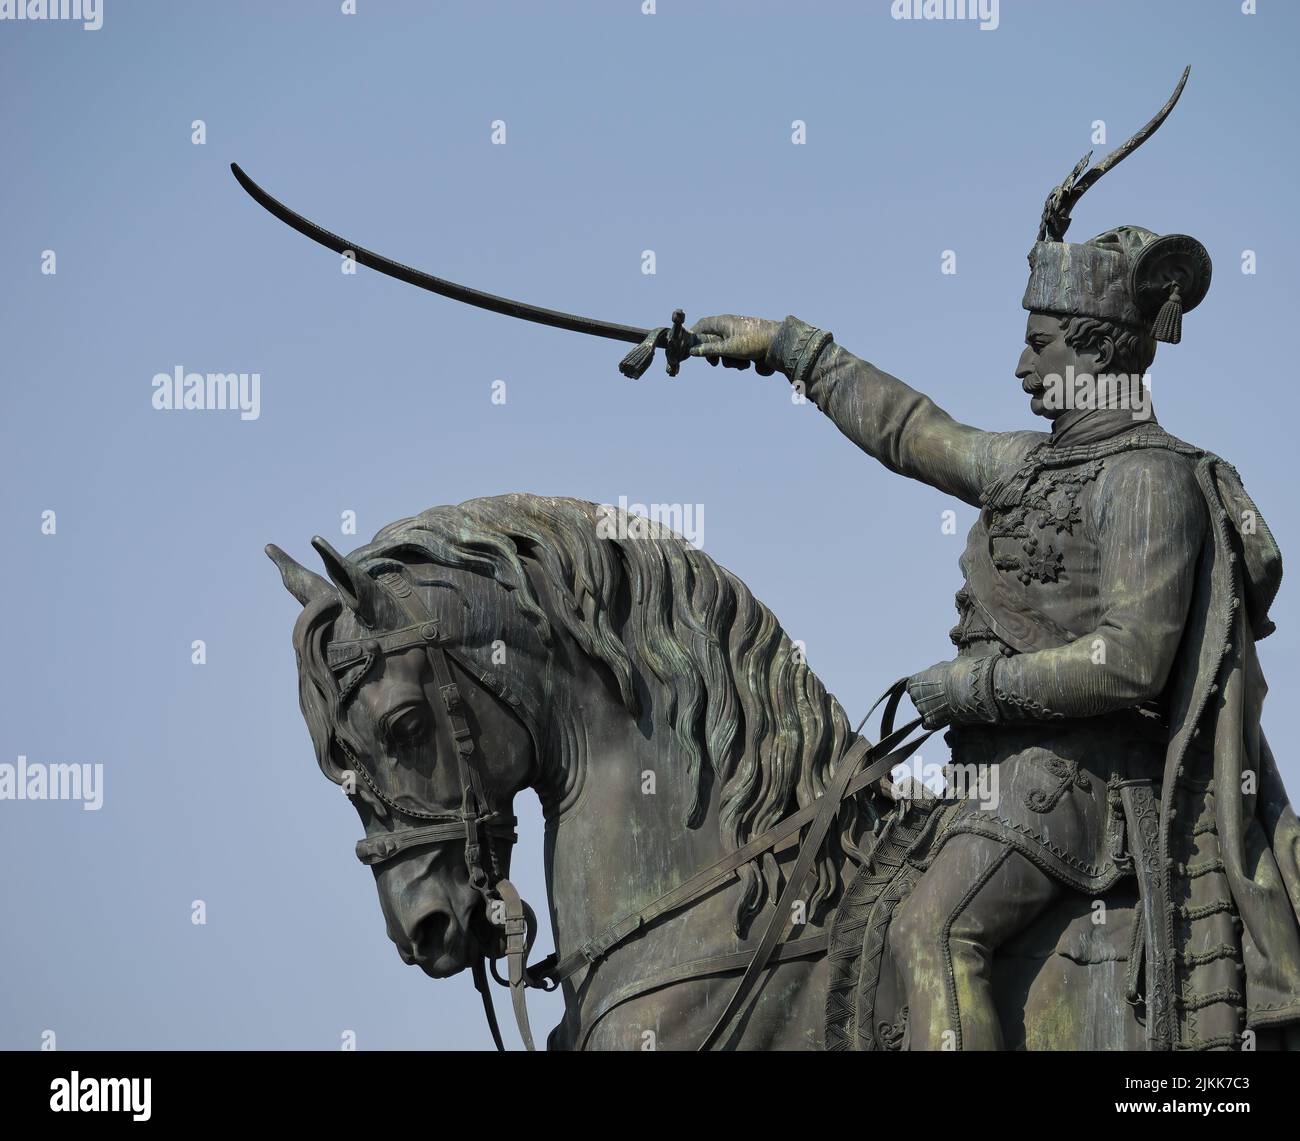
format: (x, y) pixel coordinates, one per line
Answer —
(1169, 321)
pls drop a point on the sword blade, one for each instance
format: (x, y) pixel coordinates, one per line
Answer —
(441, 286)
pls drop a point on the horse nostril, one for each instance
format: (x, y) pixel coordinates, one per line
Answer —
(428, 934)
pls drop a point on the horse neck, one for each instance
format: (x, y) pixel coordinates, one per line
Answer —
(622, 840)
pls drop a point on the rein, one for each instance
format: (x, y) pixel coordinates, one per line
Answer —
(818, 814)
(478, 826)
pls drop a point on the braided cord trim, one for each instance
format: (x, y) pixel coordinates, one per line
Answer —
(810, 345)
(1212, 998)
(1205, 910)
(972, 697)
(1200, 958)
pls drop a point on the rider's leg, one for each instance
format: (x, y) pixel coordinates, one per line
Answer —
(976, 894)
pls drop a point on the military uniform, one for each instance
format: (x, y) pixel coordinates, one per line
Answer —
(1087, 657)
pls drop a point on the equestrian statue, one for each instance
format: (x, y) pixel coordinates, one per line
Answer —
(728, 865)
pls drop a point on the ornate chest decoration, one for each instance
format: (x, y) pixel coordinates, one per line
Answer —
(1028, 516)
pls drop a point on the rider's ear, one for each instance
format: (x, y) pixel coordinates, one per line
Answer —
(1105, 353)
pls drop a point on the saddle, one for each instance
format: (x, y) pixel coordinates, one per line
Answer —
(1065, 951)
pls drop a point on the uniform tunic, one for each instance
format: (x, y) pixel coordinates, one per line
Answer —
(1078, 575)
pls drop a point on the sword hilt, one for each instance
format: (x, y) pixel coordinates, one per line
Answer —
(673, 339)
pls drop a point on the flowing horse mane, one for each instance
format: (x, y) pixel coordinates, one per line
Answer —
(684, 641)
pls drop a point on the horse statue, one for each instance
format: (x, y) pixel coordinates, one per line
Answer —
(698, 784)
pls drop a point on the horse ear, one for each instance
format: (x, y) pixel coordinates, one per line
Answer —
(360, 592)
(306, 586)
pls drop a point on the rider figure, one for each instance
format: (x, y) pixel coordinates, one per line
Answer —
(1087, 652)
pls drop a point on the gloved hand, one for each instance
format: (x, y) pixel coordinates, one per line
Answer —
(736, 341)
(956, 692)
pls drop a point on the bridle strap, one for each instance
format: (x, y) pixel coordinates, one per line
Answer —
(518, 942)
(475, 817)
(347, 652)
(461, 739)
(375, 850)
(455, 733)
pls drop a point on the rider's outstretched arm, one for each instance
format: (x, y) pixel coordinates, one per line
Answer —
(902, 428)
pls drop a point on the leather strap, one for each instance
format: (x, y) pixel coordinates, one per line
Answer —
(827, 807)
(705, 880)
(1142, 815)
(342, 653)
(848, 785)
(484, 989)
(517, 945)
(702, 968)
(379, 849)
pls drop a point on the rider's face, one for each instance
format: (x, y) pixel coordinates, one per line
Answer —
(1047, 362)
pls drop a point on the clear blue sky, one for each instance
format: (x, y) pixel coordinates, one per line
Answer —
(625, 132)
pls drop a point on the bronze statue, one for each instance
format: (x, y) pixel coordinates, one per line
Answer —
(1116, 582)
(724, 866)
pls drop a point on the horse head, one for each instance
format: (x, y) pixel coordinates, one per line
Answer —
(657, 709)
(430, 753)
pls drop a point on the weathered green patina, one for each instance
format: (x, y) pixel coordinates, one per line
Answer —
(1132, 881)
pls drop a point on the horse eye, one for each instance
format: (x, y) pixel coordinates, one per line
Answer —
(408, 728)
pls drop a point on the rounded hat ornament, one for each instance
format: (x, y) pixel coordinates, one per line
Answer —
(1170, 277)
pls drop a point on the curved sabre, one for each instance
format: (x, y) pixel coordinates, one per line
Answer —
(673, 338)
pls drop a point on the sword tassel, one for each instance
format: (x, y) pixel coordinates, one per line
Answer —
(673, 338)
